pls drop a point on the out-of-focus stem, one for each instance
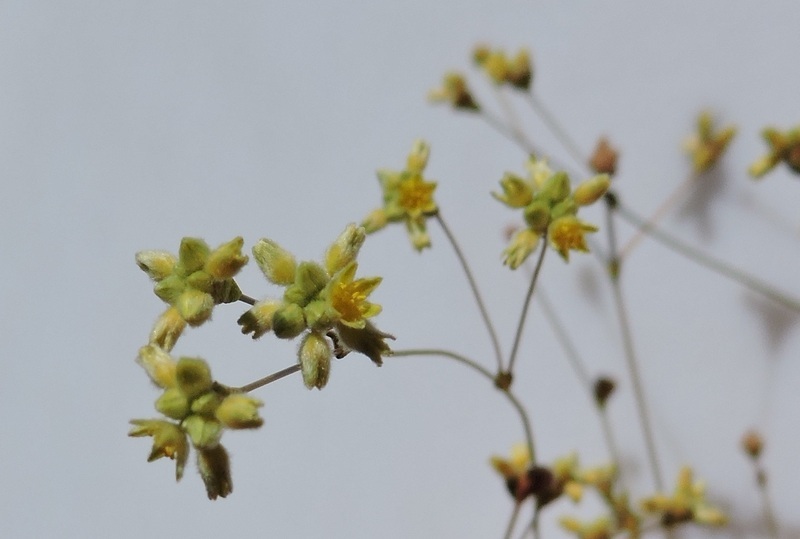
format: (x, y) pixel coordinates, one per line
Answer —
(555, 127)
(525, 306)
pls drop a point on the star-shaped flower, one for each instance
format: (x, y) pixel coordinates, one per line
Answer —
(782, 147)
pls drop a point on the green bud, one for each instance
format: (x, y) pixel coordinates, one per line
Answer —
(193, 376)
(239, 411)
(207, 403)
(170, 288)
(192, 255)
(310, 279)
(565, 207)
(557, 187)
(288, 321)
(591, 190)
(277, 264)
(157, 264)
(517, 193)
(203, 432)
(195, 306)
(345, 249)
(226, 291)
(226, 260)
(200, 280)
(215, 469)
(320, 315)
(315, 360)
(258, 320)
(418, 157)
(537, 215)
(375, 221)
(173, 403)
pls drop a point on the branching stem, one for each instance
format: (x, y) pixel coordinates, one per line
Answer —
(525, 306)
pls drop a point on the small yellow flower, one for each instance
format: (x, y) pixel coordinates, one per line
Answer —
(783, 146)
(706, 146)
(600, 528)
(349, 297)
(516, 465)
(687, 503)
(455, 91)
(521, 246)
(168, 441)
(568, 233)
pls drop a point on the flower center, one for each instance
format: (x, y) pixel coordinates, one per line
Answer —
(416, 195)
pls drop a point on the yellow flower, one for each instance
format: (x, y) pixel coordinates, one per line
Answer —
(687, 503)
(568, 233)
(454, 90)
(349, 297)
(706, 146)
(168, 441)
(600, 528)
(783, 147)
(516, 465)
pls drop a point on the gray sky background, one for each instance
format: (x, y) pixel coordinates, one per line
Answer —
(127, 125)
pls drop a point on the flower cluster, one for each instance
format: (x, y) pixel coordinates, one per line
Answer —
(322, 302)
(198, 411)
(502, 69)
(550, 208)
(407, 197)
(706, 146)
(687, 503)
(782, 147)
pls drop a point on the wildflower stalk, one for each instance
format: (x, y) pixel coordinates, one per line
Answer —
(660, 212)
(512, 118)
(512, 521)
(722, 268)
(475, 291)
(247, 299)
(555, 128)
(766, 500)
(508, 132)
(627, 343)
(526, 423)
(283, 373)
(526, 304)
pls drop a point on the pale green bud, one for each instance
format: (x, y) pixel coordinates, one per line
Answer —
(565, 207)
(167, 329)
(168, 441)
(517, 193)
(320, 315)
(239, 411)
(557, 187)
(200, 280)
(207, 403)
(345, 249)
(258, 320)
(537, 215)
(418, 158)
(173, 403)
(195, 306)
(226, 260)
(591, 190)
(310, 279)
(215, 469)
(203, 432)
(170, 288)
(193, 376)
(375, 221)
(192, 255)
(159, 365)
(288, 321)
(315, 360)
(226, 291)
(277, 264)
(157, 264)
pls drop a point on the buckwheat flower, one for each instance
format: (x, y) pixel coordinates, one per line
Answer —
(568, 233)
(348, 296)
(168, 441)
(158, 365)
(706, 146)
(687, 503)
(782, 147)
(239, 411)
(600, 528)
(454, 90)
(521, 246)
(501, 69)
(407, 197)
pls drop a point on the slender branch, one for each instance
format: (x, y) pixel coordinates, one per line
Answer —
(475, 291)
(555, 127)
(630, 354)
(512, 521)
(508, 132)
(745, 279)
(525, 305)
(526, 424)
(268, 379)
(512, 118)
(766, 501)
(247, 299)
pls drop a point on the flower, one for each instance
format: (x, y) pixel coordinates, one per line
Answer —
(568, 233)
(407, 197)
(349, 297)
(783, 147)
(454, 90)
(600, 528)
(501, 69)
(687, 503)
(168, 441)
(705, 147)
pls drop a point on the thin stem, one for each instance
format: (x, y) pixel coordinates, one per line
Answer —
(475, 291)
(508, 132)
(247, 299)
(525, 305)
(512, 521)
(526, 424)
(630, 354)
(268, 379)
(660, 212)
(745, 279)
(511, 117)
(559, 132)
(766, 501)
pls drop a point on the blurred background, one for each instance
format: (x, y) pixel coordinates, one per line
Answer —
(128, 125)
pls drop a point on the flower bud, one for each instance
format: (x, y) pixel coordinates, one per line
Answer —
(226, 291)
(604, 158)
(345, 249)
(310, 279)
(592, 189)
(173, 403)
(170, 288)
(168, 441)
(200, 280)
(157, 264)
(315, 360)
(193, 376)
(320, 315)
(192, 255)
(277, 264)
(521, 246)
(288, 321)
(517, 193)
(167, 329)
(537, 215)
(566, 207)
(159, 365)
(215, 469)
(204, 432)
(239, 411)
(520, 71)
(195, 306)
(375, 221)
(496, 66)
(418, 158)
(207, 403)
(753, 444)
(226, 260)
(556, 188)
(258, 320)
